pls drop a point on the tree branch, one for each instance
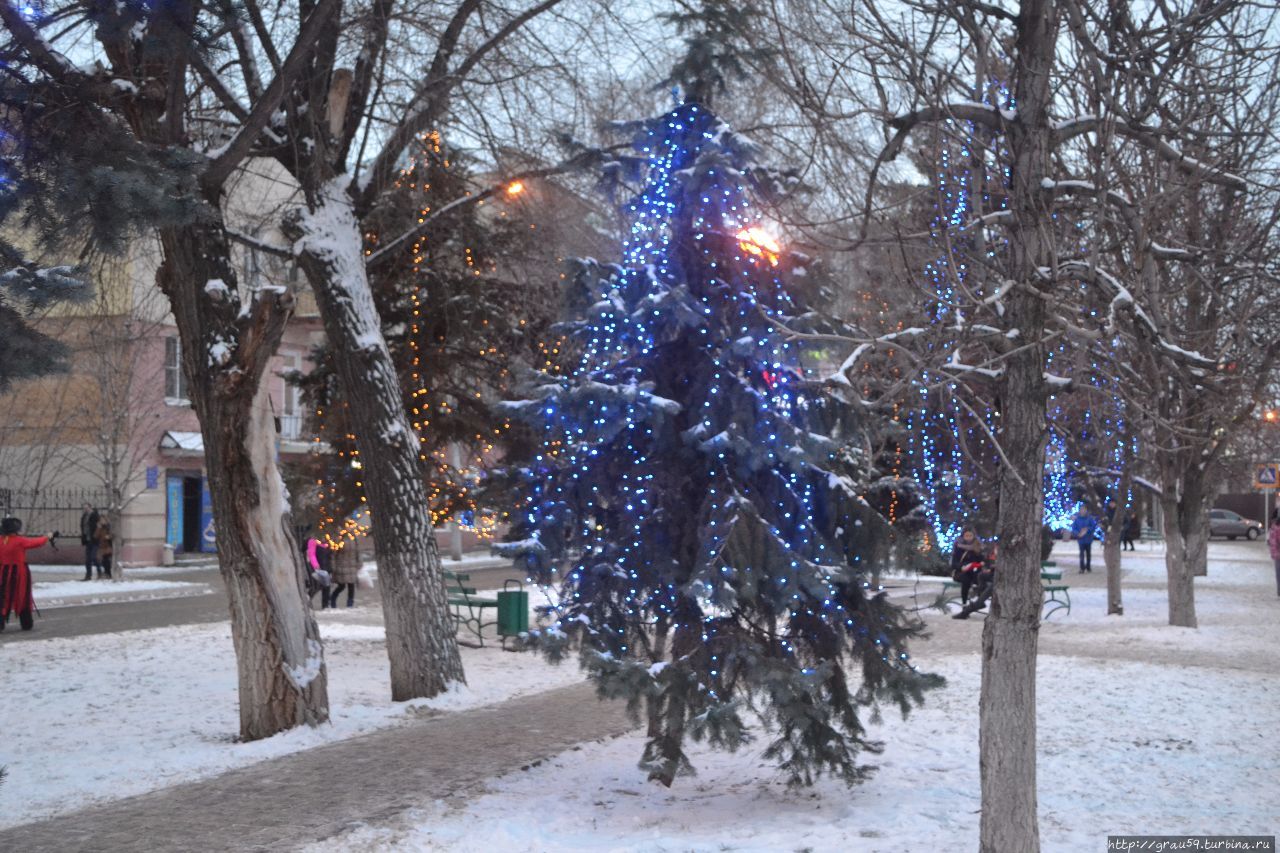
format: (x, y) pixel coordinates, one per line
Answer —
(240, 146)
(432, 97)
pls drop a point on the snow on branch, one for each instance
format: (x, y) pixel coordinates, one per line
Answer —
(841, 375)
(955, 364)
(1122, 298)
(231, 155)
(1151, 139)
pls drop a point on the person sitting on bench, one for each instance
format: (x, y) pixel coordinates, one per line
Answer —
(984, 585)
(964, 552)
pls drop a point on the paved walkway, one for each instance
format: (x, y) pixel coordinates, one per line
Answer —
(287, 802)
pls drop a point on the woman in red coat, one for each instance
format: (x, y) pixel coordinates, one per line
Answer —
(15, 576)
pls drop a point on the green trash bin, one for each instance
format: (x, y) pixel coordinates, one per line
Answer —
(513, 613)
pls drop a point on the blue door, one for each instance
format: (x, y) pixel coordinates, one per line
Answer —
(173, 505)
(208, 537)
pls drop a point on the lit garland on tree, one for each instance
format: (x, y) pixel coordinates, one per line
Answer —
(696, 500)
(944, 445)
(942, 437)
(452, 326)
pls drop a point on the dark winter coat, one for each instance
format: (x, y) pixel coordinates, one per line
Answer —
(345, 566)
(1084, 530)
(88, 526)
(965, 552)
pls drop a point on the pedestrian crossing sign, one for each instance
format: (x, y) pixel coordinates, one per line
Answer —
(1266, 476)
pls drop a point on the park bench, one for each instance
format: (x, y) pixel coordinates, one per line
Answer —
(1049, 577)
(468, 608)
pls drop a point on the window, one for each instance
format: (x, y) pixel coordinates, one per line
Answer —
(291, 415)
(175, 381)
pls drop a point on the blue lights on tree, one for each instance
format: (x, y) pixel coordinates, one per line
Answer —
(694, 507)
(948, 444)
(946, 438)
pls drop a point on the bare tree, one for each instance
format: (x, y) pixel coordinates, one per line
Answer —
(333, 120)
(1007, 70)
(1182, 246)
(121, 415)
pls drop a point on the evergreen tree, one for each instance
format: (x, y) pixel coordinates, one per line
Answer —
(697, 500)
(25, 351)
(455, 316)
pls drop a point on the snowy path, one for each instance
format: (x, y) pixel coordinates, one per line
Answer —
(115, 715)
(320, 792)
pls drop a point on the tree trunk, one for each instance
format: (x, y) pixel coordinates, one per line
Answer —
(279, 656)
(1010, 637)
(1194, 518)
(1182, 600)
(1115, 536)
(1111, 556)
(668, 717)
(420, 634)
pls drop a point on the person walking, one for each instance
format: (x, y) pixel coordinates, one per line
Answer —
(966, 551)
(1273, 542)
(318, 578)
(88, 528)
(346, 573)
(1083, 530)
(102, 538)
(15, 574)
(1132, 530)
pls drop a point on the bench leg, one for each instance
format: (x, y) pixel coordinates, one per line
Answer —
(1063, 603)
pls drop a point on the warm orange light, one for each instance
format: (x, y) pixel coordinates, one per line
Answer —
(756, 241)
(515, 188)
(1271, 416)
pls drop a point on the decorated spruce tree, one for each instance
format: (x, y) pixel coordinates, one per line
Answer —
(455, 312)
(696, 503)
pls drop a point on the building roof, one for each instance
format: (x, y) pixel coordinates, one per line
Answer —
(183, 443)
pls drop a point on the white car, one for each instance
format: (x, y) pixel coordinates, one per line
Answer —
(1224, 522)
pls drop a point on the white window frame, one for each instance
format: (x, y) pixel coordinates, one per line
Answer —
(291, 400)
(176, 392)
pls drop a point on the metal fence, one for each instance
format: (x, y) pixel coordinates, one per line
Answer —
(44, 510)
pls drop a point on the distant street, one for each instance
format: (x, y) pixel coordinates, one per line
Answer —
(87, 619)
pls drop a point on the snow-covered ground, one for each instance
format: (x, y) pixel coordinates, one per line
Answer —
(96, 718)
(129, 572)
(1124, 748)
(53, 594)
(1185, 746)
(1143, 729)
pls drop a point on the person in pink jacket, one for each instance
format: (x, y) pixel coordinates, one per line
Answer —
(1273, 542)
(318, 578)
